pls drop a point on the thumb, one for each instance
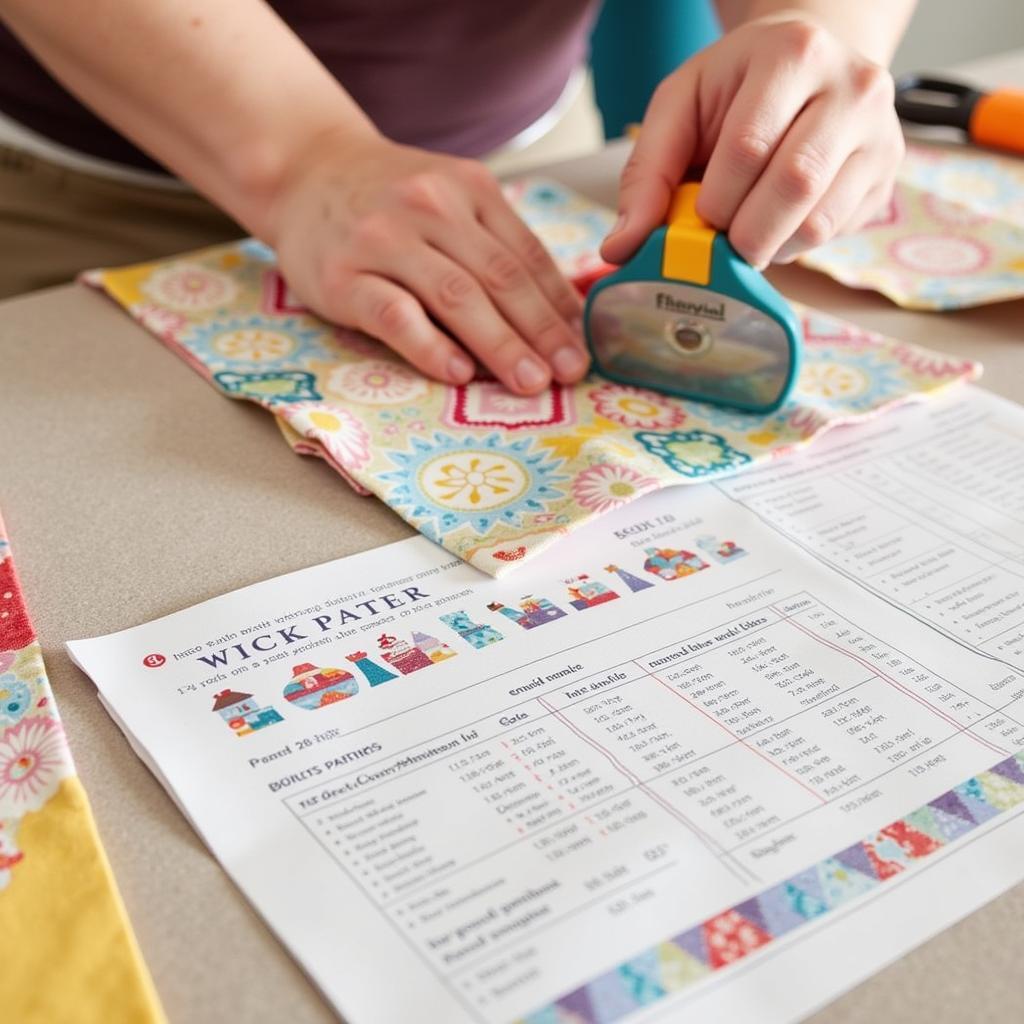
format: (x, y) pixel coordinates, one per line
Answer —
(656, 166)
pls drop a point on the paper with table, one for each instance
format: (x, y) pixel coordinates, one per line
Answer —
(725, 751)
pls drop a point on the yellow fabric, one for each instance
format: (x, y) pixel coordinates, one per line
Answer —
(69, 953)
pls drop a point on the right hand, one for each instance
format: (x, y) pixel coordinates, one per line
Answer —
(423, 252)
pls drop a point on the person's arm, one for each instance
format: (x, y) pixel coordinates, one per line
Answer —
(791, 116)
(374, 235)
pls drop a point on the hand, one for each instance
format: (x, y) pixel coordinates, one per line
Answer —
(423, 252)
(796, 130)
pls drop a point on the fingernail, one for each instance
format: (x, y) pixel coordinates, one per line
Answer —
(530, 375)
(460, 368)
(576, 326)
(569, 363)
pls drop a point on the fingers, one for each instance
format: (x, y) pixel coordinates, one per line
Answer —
(770, 97)
(835, 209)
(794, 182)
(657, 164)
(387, 311)
(501, 221)
(519, 298)
(457, 301)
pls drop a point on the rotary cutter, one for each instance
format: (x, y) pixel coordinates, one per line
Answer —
(689, 316)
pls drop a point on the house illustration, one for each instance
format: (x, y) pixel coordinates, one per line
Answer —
(242, 712)
(720, 550)
(402, 654)
(436, 650)
(532, 611)
(475, 634)
(669, 564)
(311, 687)
(585, 593)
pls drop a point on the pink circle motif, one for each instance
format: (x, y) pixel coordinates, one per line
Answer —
(636, 407)
(957, 215)
(940, 255)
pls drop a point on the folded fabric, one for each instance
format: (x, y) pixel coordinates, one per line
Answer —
(68, 949)
(492, 476)
(951, 236)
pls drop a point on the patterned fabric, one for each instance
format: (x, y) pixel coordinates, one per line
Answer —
(740, 931)
(492, 476)
(952, 236)
(68, 950)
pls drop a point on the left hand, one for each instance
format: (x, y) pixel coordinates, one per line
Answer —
(797, 132)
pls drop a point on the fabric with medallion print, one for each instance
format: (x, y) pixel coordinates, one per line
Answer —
(951, 236)
(494, 477)
(55, 880)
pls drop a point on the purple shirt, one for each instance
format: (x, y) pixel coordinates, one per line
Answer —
(457, 76)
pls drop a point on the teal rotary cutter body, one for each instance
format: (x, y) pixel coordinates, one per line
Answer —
(687, 315)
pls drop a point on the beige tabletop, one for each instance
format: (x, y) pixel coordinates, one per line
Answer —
(131, 489)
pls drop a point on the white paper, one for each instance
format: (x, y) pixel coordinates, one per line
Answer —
(507, 825)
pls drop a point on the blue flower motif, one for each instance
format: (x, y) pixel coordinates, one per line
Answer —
(258, 342)
(694, 454)
(449, 482)
(15, 698)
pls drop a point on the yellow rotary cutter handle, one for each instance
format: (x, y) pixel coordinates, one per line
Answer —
(688, 316)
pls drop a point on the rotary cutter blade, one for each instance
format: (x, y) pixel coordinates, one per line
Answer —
(688, 316)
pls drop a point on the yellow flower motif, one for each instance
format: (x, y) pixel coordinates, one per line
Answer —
(569, 446)
(762, 437)
(833, 380)
(474, 480)
(253, 344)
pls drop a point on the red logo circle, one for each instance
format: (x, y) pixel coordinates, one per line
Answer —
(154, 660)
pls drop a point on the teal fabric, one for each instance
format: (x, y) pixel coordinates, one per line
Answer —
(635, 44)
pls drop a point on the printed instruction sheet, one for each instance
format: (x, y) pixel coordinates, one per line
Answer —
(718, 756)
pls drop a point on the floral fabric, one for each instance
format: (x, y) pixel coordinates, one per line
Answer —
(69, 953)
(952, 236)
(492, 476)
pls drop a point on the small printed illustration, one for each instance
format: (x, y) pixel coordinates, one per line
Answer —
(375, 674)
(585, 593)
(532, 611)
(242, 712)
(720, 550)
(633, 582)
(669, 564)
(475, 634)
(404, 656)
(311, 687)
(436, 650)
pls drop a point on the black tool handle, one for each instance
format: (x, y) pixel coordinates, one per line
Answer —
(936, 101)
